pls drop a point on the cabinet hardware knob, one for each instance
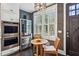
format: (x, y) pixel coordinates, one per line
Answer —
(11, 19)
(11, 10)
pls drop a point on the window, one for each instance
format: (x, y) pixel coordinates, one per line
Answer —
(72, 7)
(77, 6)
(71, 13)
(72, 10)
(77, 9)
(77, 12)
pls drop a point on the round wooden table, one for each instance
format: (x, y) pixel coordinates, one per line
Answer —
(39, 44)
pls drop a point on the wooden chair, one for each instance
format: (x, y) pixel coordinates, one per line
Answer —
(53, 49)
(37, 36)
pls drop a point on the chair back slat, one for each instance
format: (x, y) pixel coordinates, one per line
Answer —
(37, 36)
(57, 43)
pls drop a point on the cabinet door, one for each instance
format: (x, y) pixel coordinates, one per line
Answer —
(14, 17)
(14, 11)
(5, 7)
(10, 12)
(5, 16)
(10, 7)
(9, 17)
(14, 8)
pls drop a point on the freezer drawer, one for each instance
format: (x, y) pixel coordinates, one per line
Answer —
(25, 42)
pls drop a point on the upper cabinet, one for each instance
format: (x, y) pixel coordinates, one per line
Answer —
(45, 22)
(10, 12)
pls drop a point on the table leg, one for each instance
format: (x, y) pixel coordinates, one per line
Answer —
(37, 50)
(40, 50)
(33, 47)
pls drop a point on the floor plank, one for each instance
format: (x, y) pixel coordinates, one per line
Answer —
(27, 52)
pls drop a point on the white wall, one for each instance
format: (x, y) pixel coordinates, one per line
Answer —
(0, 37)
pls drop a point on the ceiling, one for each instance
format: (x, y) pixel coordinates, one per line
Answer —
(29, 7)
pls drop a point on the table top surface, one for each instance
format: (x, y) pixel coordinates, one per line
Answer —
(36, 42)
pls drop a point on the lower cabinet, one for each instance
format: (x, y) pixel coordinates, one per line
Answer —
(9, 51)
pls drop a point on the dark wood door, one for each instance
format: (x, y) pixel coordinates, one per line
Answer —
(72, 29)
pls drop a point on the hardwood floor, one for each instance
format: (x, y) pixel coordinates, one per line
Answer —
(27, 52)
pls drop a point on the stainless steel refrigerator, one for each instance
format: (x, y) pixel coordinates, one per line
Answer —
(25, 33)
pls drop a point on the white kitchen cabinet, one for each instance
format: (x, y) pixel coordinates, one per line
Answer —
(45, 22)
(10, 12)
(9, 51)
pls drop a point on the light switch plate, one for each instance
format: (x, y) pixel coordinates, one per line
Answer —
(59, 31)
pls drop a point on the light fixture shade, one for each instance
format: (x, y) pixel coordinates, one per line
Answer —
(39, 6)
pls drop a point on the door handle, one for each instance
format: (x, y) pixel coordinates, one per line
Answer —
(67, 33)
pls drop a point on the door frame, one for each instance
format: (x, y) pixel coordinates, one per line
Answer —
(64, 32)
(63, 52)
(65, 28)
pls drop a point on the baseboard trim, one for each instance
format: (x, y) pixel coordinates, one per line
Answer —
(62, 52)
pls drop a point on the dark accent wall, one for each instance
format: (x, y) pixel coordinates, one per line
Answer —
(29, 16)
(60, 23)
